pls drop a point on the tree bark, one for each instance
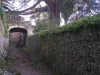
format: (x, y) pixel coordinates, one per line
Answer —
(54, 13)
(35, 10)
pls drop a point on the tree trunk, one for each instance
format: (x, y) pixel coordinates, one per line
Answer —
(54, 13)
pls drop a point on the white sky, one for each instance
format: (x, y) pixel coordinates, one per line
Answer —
(27, 17)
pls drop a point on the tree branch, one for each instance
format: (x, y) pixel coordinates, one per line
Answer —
(22, 11)
(42, 9)
(7, 8)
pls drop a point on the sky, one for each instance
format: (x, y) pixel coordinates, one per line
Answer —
(43, 4)
(29, 5)
(27, 17)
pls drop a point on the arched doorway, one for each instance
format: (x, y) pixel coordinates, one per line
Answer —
(18, 36)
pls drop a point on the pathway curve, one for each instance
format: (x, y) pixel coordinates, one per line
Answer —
(24, 65)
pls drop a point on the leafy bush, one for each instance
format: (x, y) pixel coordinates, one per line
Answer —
(77, 25)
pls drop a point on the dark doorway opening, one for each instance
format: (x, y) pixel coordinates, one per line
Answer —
(18, 36)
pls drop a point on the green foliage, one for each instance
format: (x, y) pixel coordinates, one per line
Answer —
(42, 23)
(18, 73)
(27, 51)
(5, 26)
(3, 64)
(89, 22)
(66, 8)
(40, 27)
(6, 64)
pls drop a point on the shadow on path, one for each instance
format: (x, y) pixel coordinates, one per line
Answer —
(24, 65)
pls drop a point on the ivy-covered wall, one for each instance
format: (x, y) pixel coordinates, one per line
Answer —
(5, 26)
(73, 49)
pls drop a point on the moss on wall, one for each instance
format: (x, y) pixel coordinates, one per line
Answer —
(34, 45)
(77, 25)
(73, 49)
(5, 26)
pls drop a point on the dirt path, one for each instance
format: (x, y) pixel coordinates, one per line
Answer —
(24, 65)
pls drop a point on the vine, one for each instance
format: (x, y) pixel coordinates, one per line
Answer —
(5, 26)
(77, 25)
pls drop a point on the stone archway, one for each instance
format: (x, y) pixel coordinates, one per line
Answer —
(18, 36)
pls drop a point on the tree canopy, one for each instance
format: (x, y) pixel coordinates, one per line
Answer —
(70, 9)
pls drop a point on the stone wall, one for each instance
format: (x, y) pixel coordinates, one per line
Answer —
(74, 52)
(34, 44)
(3, 43)
(3, 48)
(70, 53)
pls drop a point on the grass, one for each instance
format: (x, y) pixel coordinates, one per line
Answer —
(27, 51)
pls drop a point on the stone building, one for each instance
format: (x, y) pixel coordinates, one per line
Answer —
(14, 20)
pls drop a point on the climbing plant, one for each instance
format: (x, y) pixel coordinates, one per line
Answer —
(77, 25)
(5, 26)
